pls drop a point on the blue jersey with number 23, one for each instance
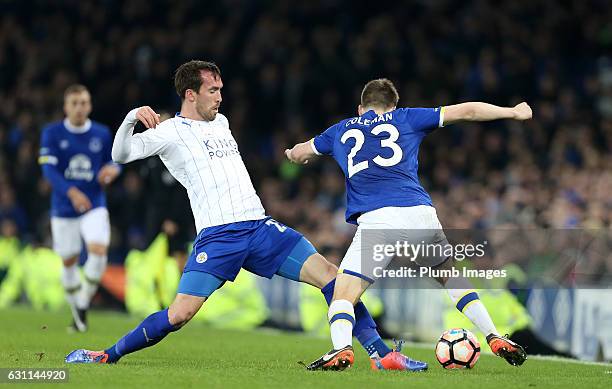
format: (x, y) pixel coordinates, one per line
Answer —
(379, 157)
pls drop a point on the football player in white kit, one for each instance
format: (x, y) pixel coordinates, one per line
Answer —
(199, 150)
(75, 155)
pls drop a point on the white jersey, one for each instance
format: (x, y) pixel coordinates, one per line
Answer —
(203, 156)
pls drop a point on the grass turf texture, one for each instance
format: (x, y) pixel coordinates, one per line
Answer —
(205, 357)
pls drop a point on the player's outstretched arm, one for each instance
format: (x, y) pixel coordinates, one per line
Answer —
(125, 148)
(482, 112)
(301, 153)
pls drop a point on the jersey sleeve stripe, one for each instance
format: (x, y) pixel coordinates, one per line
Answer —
(314, 148)
(441, 122)
(47, 159)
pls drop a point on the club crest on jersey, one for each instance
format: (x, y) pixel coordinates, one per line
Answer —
(202, 257)
(79, 168)
(95, 145)
(64, 144)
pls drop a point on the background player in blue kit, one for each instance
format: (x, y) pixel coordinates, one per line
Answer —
(234, 233)
(378, 154)
(75, 155)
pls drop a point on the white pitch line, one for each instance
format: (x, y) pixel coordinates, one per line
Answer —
(553, 358)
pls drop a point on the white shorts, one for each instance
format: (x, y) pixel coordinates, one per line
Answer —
(93, 226)
(387, 226)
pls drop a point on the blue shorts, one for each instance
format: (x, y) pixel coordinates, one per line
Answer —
(263, 247)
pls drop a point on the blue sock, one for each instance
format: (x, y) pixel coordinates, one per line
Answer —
(148, 333)
(365, 327)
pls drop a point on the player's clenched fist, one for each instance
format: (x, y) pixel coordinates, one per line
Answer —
(522, 111)
(300, 153)
(107, 174)
(147, 116)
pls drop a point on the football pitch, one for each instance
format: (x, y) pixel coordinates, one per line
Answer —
(199, 356)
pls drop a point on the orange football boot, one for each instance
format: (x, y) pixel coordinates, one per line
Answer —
(334, 360)
(512, 352)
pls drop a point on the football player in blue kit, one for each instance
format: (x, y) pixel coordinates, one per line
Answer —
(75, 155)
(378, 154)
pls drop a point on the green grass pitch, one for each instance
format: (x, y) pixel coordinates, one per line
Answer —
(198, 356)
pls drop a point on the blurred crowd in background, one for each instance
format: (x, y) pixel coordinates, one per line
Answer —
(290, 70)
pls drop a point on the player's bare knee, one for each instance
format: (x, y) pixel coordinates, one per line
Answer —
(318, 271)
(97, 249)
(331, 271)
(70, 261)
(349, 288)
(326, 273)
(183, 309)
(180, 318)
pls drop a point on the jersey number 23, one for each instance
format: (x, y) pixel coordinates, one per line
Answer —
(359, 140)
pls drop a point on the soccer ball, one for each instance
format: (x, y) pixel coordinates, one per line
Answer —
(457, 349)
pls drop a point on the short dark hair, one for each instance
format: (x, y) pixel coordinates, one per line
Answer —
(189, 75)
(75, 88)
(379, 93)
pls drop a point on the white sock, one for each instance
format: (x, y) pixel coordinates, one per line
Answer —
(341, 317)
(71, 281)
(467, 302)
(93, 271)
(479, 315)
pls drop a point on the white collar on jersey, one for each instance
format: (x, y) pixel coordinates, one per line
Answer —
(77, 129)
(189, 121)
